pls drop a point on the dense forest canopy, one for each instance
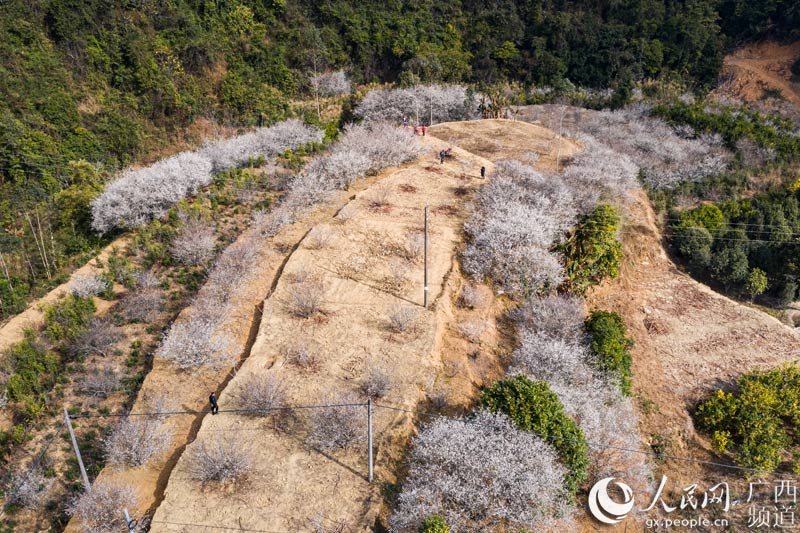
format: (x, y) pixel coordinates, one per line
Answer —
(101, 79)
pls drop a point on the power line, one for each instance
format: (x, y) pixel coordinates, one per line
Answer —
(423, 413)
(680, 236)
(760, 233)
(217, 527)
(234, 411)
(728, 223)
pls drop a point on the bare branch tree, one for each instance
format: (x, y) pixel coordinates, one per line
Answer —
(221, 458)
(99, 338)
(135, 441)
(401, 318)
(376, 383)
(334, 428)
(305, 296)
(100, 382)
(143, 305)
(259, 393)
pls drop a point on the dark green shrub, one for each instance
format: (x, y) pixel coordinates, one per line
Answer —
(592, 252)
(12, 296)
(694, 244)
(67, 319)
(610, 345)
(534, 407)
(34, 368)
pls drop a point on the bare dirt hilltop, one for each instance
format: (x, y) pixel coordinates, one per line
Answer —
(294, 487)
(761, 70)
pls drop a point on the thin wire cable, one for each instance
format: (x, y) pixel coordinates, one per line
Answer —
(668, 219)
(217, 527)
(679, 236)
(747, 231)
(240, 411)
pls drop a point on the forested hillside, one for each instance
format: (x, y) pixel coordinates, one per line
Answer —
(88, 87)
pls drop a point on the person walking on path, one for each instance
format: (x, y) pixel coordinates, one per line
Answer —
(424, 129)
(441, 157)
(213, 401)
(483, 172)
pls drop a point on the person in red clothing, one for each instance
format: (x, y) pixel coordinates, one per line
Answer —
(424, 129)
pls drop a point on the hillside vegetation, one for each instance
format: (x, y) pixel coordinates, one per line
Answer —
(87, 88)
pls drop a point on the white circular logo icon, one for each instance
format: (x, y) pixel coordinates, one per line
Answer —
(604, 508)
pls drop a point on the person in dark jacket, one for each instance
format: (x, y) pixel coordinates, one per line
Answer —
(483, 172)
(213, 401)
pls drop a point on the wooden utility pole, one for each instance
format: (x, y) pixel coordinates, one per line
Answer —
(425, 261)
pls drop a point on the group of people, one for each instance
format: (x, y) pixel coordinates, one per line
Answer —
(418, 129)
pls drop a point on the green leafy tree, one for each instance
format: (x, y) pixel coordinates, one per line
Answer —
(592, 252)
(730, 257)
(756, 421)
(534, 407)
(756, 283)
(707, 216)
(611, 346)
(694, 243)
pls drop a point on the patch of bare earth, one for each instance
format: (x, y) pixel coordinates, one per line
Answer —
(689, 342)
(360, 269)
(508, 139)
(759, 71)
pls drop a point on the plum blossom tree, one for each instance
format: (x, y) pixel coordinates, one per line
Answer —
(194, 244)
(98, 511)
(665, 155)
(331, 83)
(518, 216)
(363, 149)
(88, 285)
(481, 473)
(135, 441)
(265, 142)
(195, 343)
(140, 195)
(444, 103)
